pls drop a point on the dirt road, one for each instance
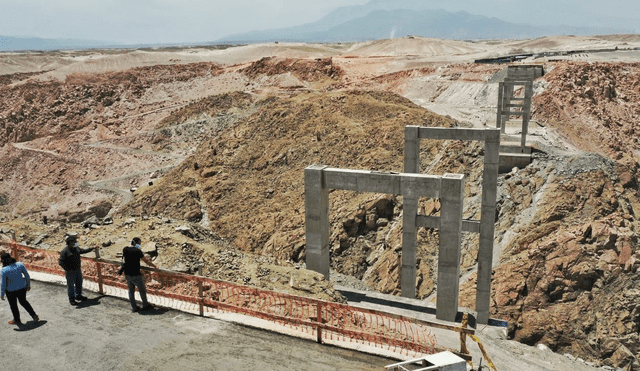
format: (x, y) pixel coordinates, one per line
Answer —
(103, 334)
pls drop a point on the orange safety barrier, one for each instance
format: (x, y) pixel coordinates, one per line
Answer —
(323, 320)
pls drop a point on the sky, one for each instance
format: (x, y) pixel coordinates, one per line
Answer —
(156, 21)
(192, 21)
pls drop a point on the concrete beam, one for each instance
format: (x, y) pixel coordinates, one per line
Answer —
(454, 133)
(426, 221)
(418, 185)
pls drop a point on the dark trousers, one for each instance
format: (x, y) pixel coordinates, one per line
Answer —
(74, 284)
(19, 296)
(132, 282)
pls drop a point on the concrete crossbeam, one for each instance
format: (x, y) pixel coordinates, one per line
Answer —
(418, 185)
(453, 133)
(472, 226)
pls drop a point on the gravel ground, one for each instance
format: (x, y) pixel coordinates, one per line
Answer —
(103, 334)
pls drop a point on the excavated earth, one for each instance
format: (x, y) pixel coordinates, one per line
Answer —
(201, 153)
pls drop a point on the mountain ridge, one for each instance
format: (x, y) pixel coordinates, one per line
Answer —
(380, 23)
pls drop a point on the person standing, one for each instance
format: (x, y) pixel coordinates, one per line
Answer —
(15, 282)
(131, 268)
(71, 263)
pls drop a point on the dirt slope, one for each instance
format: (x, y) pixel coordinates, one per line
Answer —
(218, 139)
(249, 181)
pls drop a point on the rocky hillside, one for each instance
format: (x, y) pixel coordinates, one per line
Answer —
(222, 148)
(33, 109)
(247, 183)
(570, 270)
(595, 107)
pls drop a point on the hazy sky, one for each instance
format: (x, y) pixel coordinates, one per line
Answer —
(177, 21)
(156, 21)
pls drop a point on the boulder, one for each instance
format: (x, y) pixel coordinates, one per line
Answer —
(149, 248)
(194, 215)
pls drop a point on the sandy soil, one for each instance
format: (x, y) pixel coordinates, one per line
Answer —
(407, 53)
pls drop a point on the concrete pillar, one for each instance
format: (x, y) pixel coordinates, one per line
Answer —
(487, 224)
(451, 197)
(411, 149)
(507, 95)
(499, 123)
(528, 93)
(409, 238)
(409, 212)
(317, 220)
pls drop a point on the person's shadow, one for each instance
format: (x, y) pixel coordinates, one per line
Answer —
(153, 311)
(89, 302)
(31, 325)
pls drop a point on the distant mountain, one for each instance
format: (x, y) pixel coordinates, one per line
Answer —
(539, 13)
(10, 43)
(375, 20)
(381, 24)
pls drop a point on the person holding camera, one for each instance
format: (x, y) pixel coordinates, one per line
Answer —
(131, 269)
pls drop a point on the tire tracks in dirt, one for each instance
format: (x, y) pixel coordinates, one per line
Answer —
(102, 184)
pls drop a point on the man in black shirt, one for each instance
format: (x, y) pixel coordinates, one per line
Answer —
(70, 261)
(131, 268)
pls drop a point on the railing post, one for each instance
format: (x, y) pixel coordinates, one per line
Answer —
(463, 335)
(14, 248)
(99, 269)
(319, 320)
(201, 297)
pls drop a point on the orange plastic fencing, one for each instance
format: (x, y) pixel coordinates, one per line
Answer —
(322, 320)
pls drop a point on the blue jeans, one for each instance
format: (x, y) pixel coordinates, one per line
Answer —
(132, 282)
(74, 284)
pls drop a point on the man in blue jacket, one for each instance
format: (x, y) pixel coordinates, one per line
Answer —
(15, 282)
(71, 263)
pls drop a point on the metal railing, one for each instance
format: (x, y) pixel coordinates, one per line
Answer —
(322, 320)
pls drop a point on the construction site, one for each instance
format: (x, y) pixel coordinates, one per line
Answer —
(408, 203)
